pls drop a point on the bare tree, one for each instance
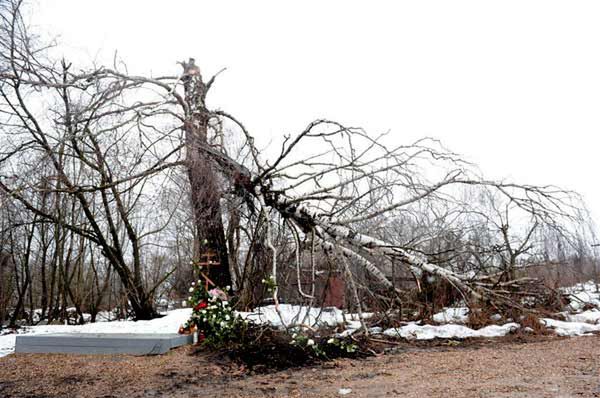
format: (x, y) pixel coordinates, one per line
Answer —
(100, 149)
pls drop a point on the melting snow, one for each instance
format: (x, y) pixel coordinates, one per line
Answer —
(582, 294)
(298, 315)
(570, 328)
(291, 315)
(591, 316)
(452, 315)
(579, 324)
(427, 332)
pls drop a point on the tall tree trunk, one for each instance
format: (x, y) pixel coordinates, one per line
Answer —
(22, 292)
(204, 181)
(4, 287)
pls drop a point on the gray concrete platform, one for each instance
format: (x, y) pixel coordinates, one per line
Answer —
(101, 343)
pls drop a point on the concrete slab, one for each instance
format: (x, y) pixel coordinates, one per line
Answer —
(101, 343)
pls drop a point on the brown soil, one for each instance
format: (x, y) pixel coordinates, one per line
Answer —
(540, 367)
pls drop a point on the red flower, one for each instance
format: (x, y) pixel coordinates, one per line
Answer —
(200, 305)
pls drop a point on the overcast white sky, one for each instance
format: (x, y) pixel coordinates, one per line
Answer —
(512, 85)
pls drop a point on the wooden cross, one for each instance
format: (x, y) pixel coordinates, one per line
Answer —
(208, 259)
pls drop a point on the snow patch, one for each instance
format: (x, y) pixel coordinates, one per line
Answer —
(427, 332)
(591, 316)
(292, 315)
(563, 328)
(582, 294)
(452, 315)
(7, 344)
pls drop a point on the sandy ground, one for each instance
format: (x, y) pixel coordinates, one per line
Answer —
(548, 367)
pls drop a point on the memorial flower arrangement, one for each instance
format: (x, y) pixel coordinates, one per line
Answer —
(212, 316)
(256, 344)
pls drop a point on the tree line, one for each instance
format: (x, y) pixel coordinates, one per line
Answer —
(111, 184)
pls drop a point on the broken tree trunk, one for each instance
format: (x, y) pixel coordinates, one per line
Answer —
(205, 187)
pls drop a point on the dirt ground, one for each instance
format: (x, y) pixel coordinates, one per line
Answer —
(546, 367)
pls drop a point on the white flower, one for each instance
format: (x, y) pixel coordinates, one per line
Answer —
(193, 283)
(199, 282)
(190, 298)
(294, 335)
(310, 342)
(330, 341)
(227, 287)
(191, 289)
(184, 303)
(227, 317)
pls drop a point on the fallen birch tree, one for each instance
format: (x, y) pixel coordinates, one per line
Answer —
(374, 183)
